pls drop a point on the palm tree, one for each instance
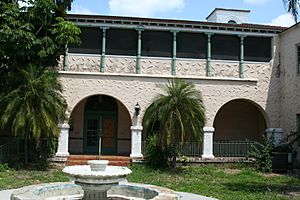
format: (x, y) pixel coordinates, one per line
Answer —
(180, 113)
(292, 7)
(33, 106)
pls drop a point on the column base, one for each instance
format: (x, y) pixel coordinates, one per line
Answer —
(62, 154)
(208, 156)
(136, 158)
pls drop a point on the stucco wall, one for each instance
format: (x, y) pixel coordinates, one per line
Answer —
(130, 89)
(290, 80)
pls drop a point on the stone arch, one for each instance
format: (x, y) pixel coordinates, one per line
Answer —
(73, 104)
(78, 122)
(240, 119)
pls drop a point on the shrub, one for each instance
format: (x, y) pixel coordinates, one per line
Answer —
(4, 167)
(263, 157)
(156, 157)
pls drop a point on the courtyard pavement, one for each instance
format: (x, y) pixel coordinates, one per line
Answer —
(5, 195)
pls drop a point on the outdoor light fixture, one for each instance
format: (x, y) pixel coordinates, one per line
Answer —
(137, 109)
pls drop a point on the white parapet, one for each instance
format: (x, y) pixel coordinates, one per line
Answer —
(276, 133)
(136, 142)
(208, 143)
(63, 140)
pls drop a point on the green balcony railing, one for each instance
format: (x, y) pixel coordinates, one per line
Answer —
(9, 149)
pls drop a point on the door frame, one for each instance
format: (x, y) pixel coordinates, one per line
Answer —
(100, 115)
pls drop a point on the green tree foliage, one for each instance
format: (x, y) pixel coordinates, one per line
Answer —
(292, 7)
(180, 113)
(33, 38)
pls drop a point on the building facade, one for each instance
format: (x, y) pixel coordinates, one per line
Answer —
(242, 71)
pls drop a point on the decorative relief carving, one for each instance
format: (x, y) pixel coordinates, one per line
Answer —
(79, 63)
(225, 69)
(191, 68)
(156, 66)
(123, 65)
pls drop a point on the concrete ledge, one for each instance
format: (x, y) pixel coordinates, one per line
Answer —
(141, 191)
(49, 191)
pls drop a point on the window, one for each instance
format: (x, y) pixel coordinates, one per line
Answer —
(91, 41)
(121, 42)
(225, 47)
(257, 49)
(191, 45)
(157, 43)
(298, 59)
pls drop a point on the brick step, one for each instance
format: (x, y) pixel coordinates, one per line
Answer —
(113, 160)
(114, 163)
(93, 157)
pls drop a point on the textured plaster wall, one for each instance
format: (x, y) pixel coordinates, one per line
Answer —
(160, 66)
(130, 89)
(189, 67)
(290, 80)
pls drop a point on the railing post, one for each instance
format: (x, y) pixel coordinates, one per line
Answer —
(241, 67)
(103, 49)
(139, 52)
(208, 58)
(174, 52)
(208, 142)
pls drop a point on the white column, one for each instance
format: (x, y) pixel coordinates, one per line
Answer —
(208, 142)
(136, 142)
(276, 133)
(63, 140)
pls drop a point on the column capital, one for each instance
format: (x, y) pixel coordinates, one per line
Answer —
(104, 28)
(208, 129)
(64, 126)
(242, 36)
(209, 34)
(174, 31)
(140, 29)
(136, 128)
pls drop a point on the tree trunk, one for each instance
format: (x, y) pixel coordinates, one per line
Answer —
(26, 149)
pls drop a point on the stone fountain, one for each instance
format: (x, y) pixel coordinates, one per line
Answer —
(96, 178)
(93, 182)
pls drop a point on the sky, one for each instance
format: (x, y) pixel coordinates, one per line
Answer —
(269, 12)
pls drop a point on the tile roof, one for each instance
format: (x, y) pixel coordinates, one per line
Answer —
(114, 19)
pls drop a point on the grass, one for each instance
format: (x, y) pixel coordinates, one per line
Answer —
(222, 182)
(226, 182)
(12, 178)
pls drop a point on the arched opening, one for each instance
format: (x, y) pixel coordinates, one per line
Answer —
(232, 22)
(100, 123)
(240, 120)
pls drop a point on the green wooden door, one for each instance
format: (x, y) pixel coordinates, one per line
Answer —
(100, 128)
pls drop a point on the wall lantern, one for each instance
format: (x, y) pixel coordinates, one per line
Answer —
(137, 109)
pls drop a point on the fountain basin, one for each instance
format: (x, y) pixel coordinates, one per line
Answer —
(70, 191)
(97, 178)
(48, 191)
(98, 165)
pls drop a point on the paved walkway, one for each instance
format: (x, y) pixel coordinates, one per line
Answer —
(5, 195)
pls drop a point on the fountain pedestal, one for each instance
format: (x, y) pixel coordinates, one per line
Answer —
(96, 178)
